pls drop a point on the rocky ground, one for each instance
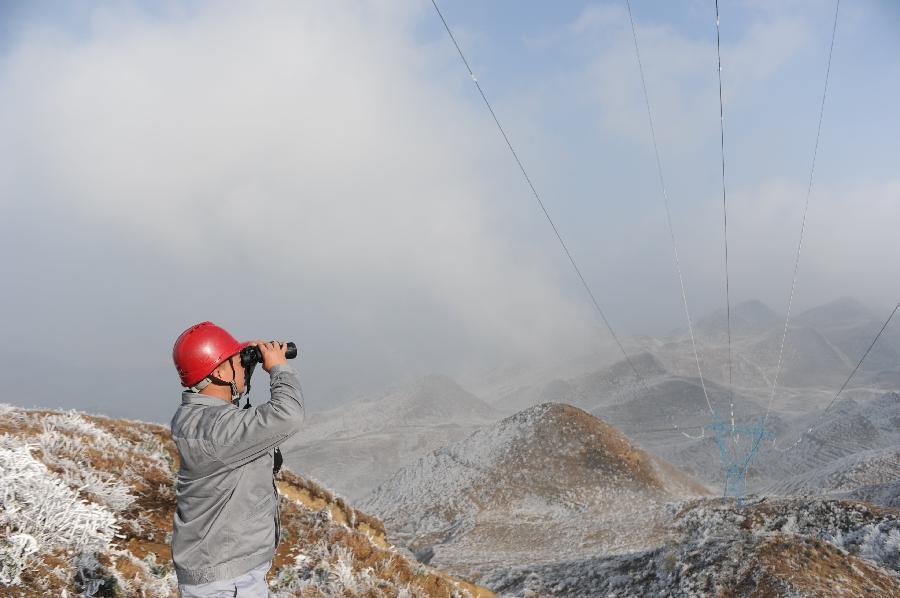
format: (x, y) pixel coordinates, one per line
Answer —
(775, 547)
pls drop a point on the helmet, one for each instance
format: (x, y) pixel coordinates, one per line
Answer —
(200, 349)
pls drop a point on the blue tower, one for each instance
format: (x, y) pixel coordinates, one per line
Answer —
(734, 464)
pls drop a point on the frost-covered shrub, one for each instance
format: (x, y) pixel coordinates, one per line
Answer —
(91, 576)
(67, 453)
(877, 542)
(15, 549)
(59, 447)
(37, 503)
(329, 571)
(72, 422)
(63, 432)
(104, 488)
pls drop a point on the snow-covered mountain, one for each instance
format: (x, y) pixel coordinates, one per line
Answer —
(747, 317)
(862, 469)
(822, 346)
(855, 444)
(551, 480)
(844, 311)
(850, 327)
(353, 448)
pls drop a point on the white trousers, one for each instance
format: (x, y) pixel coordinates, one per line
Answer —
(249, 585)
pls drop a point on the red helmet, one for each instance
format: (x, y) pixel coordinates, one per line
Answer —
(200, 349)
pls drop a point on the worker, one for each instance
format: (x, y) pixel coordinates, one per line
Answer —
(226, 524)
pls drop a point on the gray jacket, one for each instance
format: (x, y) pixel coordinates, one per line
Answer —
(227, 515)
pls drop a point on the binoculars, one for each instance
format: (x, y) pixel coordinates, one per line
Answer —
(251, 355)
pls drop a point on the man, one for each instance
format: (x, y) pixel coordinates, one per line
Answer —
(226, 523)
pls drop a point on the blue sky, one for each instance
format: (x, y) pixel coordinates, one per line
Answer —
(326, 171)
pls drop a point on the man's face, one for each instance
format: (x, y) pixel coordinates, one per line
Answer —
(239, 372)
(235, 361)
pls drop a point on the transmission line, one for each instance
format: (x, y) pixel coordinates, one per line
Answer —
(812, 172)
(665, 196)
(540, 202)
(724, 212)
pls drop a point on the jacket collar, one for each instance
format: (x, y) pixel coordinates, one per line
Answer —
(195, 398)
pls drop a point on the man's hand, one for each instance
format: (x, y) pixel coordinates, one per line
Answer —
(272, 353)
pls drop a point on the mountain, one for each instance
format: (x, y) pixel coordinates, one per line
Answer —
(676, 400)
(821, 348)
(613, 383)
(886, 494)
(810, 359)
(747, 317)
(862, 469)
(804, 548)
(842, 311)
(87, 508)
(852, 441)
(353, 448)
(850, 327)
(548, 481)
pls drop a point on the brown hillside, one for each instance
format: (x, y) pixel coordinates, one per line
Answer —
(586, 451)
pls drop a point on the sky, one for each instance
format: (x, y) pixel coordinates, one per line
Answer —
(325, 172)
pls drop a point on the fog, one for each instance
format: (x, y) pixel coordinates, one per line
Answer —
(326, 173)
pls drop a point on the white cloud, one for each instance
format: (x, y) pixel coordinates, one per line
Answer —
(680, 70)
(313, 138)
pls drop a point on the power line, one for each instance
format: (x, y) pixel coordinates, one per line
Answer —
(540, 202)
(665, 195)
(724, 211)
(812, 172)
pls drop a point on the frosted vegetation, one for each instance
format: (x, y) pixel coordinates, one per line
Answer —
(45, 512)
(69, 492)
(785, 547)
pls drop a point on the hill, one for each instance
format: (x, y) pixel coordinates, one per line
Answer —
(805, 548)
(87, 506)
(854, 444)
(551, 480)
(353, 448)
(863, 469)
(747, 317)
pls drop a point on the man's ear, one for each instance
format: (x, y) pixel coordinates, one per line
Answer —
(223, 371)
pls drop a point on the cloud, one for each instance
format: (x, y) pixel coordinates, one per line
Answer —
(847, 246)
(310, 144)
(774, 57)
(680, 69)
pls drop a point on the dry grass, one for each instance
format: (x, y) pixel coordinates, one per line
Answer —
(364, 540)
(814, 567)
(584, 447)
